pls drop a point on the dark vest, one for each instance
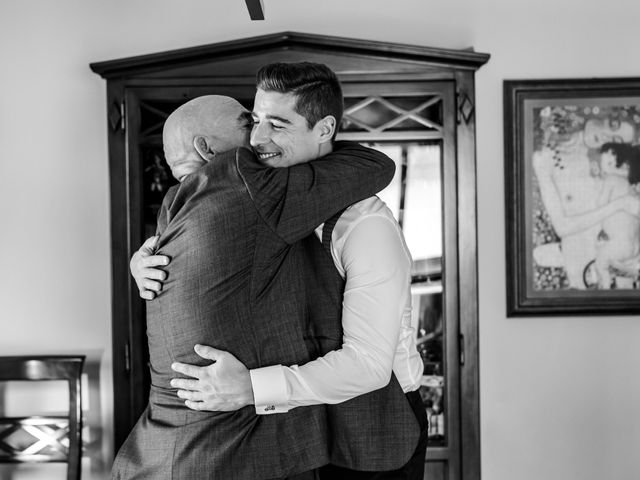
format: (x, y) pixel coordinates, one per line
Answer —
(375, 431)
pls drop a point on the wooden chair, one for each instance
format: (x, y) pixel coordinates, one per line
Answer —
(44, 438)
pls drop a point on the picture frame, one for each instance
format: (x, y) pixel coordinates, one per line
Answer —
(572, 238)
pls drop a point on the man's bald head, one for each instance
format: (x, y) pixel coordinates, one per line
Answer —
(201, 128)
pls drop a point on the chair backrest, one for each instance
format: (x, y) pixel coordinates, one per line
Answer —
(47, 434)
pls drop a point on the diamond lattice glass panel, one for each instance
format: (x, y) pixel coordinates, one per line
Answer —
(392, 114)
(406, 124)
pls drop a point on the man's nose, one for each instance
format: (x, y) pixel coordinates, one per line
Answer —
(258, 135)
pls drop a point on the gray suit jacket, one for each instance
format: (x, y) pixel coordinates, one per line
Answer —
(237, 283)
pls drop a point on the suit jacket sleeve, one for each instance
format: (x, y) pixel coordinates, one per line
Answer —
(293, 201)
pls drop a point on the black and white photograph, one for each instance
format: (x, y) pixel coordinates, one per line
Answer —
(302, 240)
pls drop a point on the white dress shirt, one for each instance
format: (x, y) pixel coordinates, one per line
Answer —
(369, 251)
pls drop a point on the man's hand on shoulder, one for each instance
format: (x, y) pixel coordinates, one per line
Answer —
(144, 269)
(223, 386)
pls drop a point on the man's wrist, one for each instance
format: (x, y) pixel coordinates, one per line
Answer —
(269, 390)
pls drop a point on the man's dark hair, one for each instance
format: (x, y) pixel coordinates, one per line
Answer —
(316, 87)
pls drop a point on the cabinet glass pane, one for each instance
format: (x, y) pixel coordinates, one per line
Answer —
(422, 221)
(415, 198)
(156, 175)
(392, 113)
(393, 194)
(157, 179)
(428, 321)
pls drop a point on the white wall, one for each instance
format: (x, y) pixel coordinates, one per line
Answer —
(558, 395)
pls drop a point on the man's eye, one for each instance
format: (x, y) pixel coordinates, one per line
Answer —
(277, 127)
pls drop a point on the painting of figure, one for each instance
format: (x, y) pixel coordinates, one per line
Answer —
(585, 228)
(572, 176)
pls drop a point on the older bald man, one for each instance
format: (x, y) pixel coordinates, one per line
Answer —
(235, 284)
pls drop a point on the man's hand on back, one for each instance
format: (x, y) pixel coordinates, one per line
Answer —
(223, 386)
(143, 266)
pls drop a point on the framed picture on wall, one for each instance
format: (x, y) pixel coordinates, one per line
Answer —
(572, 192)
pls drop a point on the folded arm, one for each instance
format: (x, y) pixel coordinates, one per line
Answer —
(293, 201)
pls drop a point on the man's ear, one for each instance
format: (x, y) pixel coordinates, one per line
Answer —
(201, 144)
(326, 128)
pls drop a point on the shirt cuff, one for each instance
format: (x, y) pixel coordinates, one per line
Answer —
(269, 390)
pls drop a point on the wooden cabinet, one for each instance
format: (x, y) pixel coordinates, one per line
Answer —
(416, 104)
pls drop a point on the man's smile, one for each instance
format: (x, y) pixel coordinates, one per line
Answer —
(267, 155)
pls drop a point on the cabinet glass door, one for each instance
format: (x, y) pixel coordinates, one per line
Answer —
(414, 125)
